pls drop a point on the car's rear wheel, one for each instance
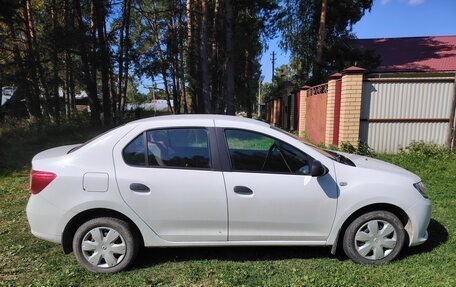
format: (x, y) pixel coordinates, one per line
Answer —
(375, 237)
(105, 245)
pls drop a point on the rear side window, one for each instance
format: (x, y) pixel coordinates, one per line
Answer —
(251, 151)
(134, 153)
(179, 147)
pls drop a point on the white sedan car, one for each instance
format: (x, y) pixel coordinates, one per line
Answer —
(209, 180)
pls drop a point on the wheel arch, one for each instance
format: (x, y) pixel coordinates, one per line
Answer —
(84, 216)
(399, 212)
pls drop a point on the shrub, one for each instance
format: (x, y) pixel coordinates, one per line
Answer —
(362, 149)
(421, 152)
(20, 140)
(422, 149)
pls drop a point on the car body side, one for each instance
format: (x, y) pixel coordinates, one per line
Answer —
(66, 199)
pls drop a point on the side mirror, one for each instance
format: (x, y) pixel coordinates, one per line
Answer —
(318, 169)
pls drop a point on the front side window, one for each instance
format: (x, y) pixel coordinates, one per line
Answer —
(179, 147)
(250, 151)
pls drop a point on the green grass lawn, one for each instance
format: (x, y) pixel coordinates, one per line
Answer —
(26, 260)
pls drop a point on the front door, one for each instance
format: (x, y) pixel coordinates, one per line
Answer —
(167, 177)
(271, 196)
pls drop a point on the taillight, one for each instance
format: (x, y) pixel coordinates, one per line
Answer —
(39, 180)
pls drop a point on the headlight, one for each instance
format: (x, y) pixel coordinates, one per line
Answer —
(422, 189)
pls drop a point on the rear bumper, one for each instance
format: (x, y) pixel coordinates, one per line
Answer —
(43, 217)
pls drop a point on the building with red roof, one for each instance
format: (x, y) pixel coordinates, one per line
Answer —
(412, 54)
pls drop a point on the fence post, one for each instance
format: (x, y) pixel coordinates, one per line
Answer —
(330, 104)
(302, 110)
(350, 106)
(451, 141)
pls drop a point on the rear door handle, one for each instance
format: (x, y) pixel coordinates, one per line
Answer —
(244, 190)
(139, 187)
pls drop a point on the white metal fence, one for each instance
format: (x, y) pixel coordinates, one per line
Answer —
(395, 112)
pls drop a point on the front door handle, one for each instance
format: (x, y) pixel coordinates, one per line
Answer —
(139, 187)
(244, 190)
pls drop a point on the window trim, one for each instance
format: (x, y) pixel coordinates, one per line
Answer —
(213, 160)
(228, 157)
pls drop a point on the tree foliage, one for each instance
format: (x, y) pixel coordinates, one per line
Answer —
(202, 54)
(301, 26)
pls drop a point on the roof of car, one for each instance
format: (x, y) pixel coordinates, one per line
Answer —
(189, 117)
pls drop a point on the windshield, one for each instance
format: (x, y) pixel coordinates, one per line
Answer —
(317, 149)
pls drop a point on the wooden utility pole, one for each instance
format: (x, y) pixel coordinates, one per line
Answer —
(273, 59)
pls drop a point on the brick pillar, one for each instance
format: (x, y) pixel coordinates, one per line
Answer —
(350, 106)
(331, 100)
(302, 110)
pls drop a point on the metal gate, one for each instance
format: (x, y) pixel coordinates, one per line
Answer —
(317, 97)
(395, 112)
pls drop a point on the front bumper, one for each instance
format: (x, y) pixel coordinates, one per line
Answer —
(420, 216)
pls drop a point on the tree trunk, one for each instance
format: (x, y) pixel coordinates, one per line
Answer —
(248, 76)
(203, 59)
(321, 39)
(99, 7)
(90, 84)
(191, 66)
(229, 95)
(127, 55)
(41, 79)
(55, 72)
(121, 55)
(123, 48)
(69, 81)
(35, 110)
(31, 102)
(173, 56)
(216, 80)
(66, 87)
(182, 65)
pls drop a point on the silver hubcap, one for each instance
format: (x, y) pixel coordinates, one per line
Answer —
(375, 239)
(103, 247)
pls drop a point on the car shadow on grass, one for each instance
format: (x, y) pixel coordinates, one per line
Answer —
(438, 235)
(147, 257)
(154, 256)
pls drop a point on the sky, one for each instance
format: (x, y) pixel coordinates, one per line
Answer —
(388, 19)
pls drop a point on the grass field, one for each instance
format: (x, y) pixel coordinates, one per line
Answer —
(25, 260)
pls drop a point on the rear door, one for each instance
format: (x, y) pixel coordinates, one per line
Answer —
(170, 178)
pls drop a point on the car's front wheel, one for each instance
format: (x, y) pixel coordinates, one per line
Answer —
(105, 245)
(374, 238)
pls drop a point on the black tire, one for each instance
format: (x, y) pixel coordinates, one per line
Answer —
(378, 218)
(113, 256)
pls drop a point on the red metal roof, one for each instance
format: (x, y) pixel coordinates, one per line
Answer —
(416, 54)
(354, 69)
